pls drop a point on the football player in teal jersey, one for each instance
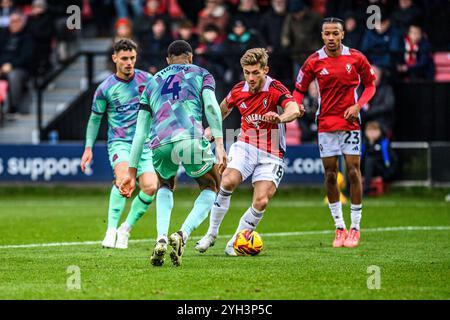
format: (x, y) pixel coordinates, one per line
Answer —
(118, 96)
(171, 111)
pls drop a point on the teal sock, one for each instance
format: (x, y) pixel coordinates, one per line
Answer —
(116, 205)
(164, 206)
(199, 212)
(138, 208)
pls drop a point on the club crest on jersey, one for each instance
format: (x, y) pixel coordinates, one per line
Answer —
(141, 89)
(265, 103)
(348, 67)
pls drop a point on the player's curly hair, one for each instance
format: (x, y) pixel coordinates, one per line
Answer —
(254, 56)
(124, 45)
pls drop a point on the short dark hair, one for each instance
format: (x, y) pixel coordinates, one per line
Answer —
(211, 27)
(333, 20)
(178, 48)
(124, 45)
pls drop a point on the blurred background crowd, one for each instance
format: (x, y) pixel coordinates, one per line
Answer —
(35, 40)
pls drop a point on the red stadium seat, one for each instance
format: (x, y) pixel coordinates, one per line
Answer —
(377, 187)
(442, 62)
(293, 134)
(3, 90)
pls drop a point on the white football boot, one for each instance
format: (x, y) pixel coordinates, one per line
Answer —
(122, 238)
(177, 243)
(110, 238)
(157, 258)
(204, 243)
(229, 249)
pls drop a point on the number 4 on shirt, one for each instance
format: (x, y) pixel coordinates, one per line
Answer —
(174, 90)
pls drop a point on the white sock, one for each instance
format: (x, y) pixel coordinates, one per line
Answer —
(249, 220)
(125, 227)
(336, 213)
(218, 211)
(185, 236)
(356, 213)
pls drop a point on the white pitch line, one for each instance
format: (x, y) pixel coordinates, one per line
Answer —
(278, 234)
(238, 203)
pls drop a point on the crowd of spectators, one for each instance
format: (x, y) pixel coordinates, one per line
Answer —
(33, 38)
(220, 31)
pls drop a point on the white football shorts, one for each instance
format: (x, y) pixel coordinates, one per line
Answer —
(249, 160)
(338, 143)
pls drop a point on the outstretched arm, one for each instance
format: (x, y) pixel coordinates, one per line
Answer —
(213, 113)
(142, 130)
(214, 116)
(91, 135)
(225, 111)
(92, 129)
(291, 112)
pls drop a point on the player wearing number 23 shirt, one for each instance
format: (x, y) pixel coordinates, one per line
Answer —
(337, 71)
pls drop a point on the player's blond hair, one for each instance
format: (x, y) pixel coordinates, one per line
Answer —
(254, 56)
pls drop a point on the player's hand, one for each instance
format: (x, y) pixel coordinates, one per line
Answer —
(127, 186)
(352, 113)
(222, 159)
(208, 134)
(86, 159)
(301, 108)
(272, 117)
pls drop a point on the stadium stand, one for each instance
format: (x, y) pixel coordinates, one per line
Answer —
(442, 62)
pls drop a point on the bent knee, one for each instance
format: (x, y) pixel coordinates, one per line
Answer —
(210, 184)
(149, 190)
(354, 174)
(331, 176)
(229, 183)
(261, 203)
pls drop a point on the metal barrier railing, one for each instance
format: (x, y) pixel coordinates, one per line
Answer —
(42, 85)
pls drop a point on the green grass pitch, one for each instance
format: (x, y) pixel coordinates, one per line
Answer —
(297, 261)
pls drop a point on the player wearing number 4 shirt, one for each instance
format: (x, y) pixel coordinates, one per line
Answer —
(337, 72)
(261, 146)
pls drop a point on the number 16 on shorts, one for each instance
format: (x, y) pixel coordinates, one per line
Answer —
(338, 143)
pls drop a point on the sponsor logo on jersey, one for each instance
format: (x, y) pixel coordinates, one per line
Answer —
(324, 72)
(254, 119)
(127, 107)
(243, 105)
(348, 67)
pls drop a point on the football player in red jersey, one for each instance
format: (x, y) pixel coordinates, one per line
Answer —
(261, 145)
(337, 72)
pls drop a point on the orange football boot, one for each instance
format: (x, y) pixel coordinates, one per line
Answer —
(341, 235)
(352, 239)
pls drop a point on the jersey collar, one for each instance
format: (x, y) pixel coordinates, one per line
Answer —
(269, 80)
(125, 81)
(323, 54)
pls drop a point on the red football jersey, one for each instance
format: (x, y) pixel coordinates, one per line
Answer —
(337, 79)
(252, 106)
